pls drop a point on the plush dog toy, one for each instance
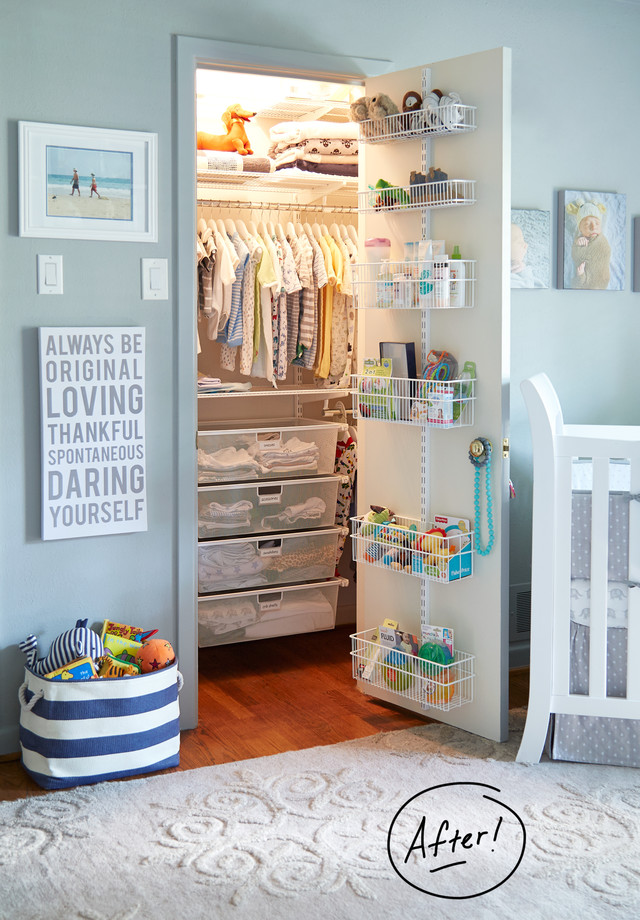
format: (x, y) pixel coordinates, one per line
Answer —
(373, 107)
(235, 140)
(78, 642)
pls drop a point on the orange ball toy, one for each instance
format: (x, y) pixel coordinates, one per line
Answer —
(154, 655)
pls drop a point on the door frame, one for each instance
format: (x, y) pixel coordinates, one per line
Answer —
(189, 55)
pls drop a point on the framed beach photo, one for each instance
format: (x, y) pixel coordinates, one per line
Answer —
(530, 249)
(591, 240)
(88, 183)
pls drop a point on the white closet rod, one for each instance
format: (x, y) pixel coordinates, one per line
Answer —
(279, 206)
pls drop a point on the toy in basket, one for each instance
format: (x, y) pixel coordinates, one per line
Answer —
(117, 723)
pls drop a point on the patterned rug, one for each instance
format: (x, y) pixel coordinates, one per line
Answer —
(428, 821)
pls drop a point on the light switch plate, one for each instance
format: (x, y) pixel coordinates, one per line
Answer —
(155, 279)
(49, 274)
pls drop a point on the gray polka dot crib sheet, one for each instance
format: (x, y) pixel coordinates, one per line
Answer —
(596, 739)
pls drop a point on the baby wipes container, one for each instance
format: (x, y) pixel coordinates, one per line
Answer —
(377, 248)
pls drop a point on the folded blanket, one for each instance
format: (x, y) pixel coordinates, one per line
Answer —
(231, 162)
(294, 454)
(221, 516)
(334, 169)
(297, 153)
(310, 510)
(292, 132)
(335, 146)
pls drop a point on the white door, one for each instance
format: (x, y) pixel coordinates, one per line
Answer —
(477, 610)
(419, 471)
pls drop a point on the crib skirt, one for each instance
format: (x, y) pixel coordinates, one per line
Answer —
(597, 739)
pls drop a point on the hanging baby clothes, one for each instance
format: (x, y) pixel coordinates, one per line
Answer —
(224, 275)
(291, 287)
(232, 334)
(345, 465)
(333, 261)
(339, 320)
(266, 285)
(248, 306)
(320, 281)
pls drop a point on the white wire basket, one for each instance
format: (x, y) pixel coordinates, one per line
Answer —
(454, 118)
(419, 285)
(409, 401)
(434, 686)
(408, 547)
(442, 194)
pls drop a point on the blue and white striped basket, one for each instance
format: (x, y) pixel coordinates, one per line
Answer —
(85, 731)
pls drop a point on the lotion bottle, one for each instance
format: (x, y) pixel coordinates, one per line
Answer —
(457, 276)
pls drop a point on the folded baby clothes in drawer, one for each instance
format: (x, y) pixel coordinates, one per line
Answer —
(294, 454)
(225, 516)
(310, 510)
(224, 566)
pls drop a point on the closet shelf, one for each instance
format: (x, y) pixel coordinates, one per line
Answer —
(285, 390)
(445, 194)
(433, 685)
(307, 109)
(407, 401)
(412, 285)
(409, 126)
(407, 547)
(255, 190)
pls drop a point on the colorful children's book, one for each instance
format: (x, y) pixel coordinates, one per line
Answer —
(397, 639)
(127, 632)
(375, 393)
(80, 669)
(371, 652)
(121, 648)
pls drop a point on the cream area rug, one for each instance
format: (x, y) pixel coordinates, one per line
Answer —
(423, 822)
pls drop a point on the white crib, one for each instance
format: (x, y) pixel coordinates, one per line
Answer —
(556, 447)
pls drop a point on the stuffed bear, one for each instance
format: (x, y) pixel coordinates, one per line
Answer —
(359, 110)
(78, 642)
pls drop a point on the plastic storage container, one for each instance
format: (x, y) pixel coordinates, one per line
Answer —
(292, 504)
(281, 449)
(281, 558)
(246, 615)
(376, 249)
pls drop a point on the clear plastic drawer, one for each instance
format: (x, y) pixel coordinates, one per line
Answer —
(286, 448)
(253, 562)
(291, 504)
(247, 615)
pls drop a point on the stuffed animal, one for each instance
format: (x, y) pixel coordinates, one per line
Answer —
(235, 140)
(359, 110)
(154, 655)
(79, 642)
(382, 105)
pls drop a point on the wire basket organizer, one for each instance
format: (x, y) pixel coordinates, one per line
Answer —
(418, 285)
(446, 193)
(433, 685)
(407, 546)
(453, 118)
(409, 401)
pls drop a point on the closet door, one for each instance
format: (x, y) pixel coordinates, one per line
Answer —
(418, 471)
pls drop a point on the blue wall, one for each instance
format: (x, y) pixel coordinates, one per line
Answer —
(575, 83)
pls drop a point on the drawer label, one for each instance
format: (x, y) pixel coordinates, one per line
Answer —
(269, 440)
(273, 604)
(270, 550)
(275, 499)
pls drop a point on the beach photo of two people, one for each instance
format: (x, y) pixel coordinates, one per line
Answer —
(87, 183)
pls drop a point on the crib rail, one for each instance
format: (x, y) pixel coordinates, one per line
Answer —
(555, 446)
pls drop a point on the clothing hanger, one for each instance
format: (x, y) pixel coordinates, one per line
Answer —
(242, 230)
(344, 233)
(291, 230)
(353, 233)
(270, 228)
(334, 231)
(253, 230)
(201, 225)
(262, 230)
(317, 232)
(230, 225)
(280, 233)
(211, 224)
(324, 229)
(221, 227)
(303, 230)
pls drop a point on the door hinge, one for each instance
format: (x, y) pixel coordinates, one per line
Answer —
(505, 448)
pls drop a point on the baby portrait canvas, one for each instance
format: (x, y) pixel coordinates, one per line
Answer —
(591, 240)
(530, 249)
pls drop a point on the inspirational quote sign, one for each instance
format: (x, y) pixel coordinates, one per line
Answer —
(92, 391)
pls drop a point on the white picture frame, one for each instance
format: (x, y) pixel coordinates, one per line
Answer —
(58, 161)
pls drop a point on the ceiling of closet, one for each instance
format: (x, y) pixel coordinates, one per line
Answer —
(279, 98)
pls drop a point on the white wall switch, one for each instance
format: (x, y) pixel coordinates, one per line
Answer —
(49, 274)
(155, 279)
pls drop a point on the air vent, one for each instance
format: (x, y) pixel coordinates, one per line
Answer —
(519, 612)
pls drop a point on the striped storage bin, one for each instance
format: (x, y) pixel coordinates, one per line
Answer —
(85, 731)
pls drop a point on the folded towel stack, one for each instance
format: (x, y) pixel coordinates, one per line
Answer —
(326, 147)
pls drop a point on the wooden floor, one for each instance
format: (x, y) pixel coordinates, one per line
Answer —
(260, 698)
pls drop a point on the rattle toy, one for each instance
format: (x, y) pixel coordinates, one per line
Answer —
(480, 456)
